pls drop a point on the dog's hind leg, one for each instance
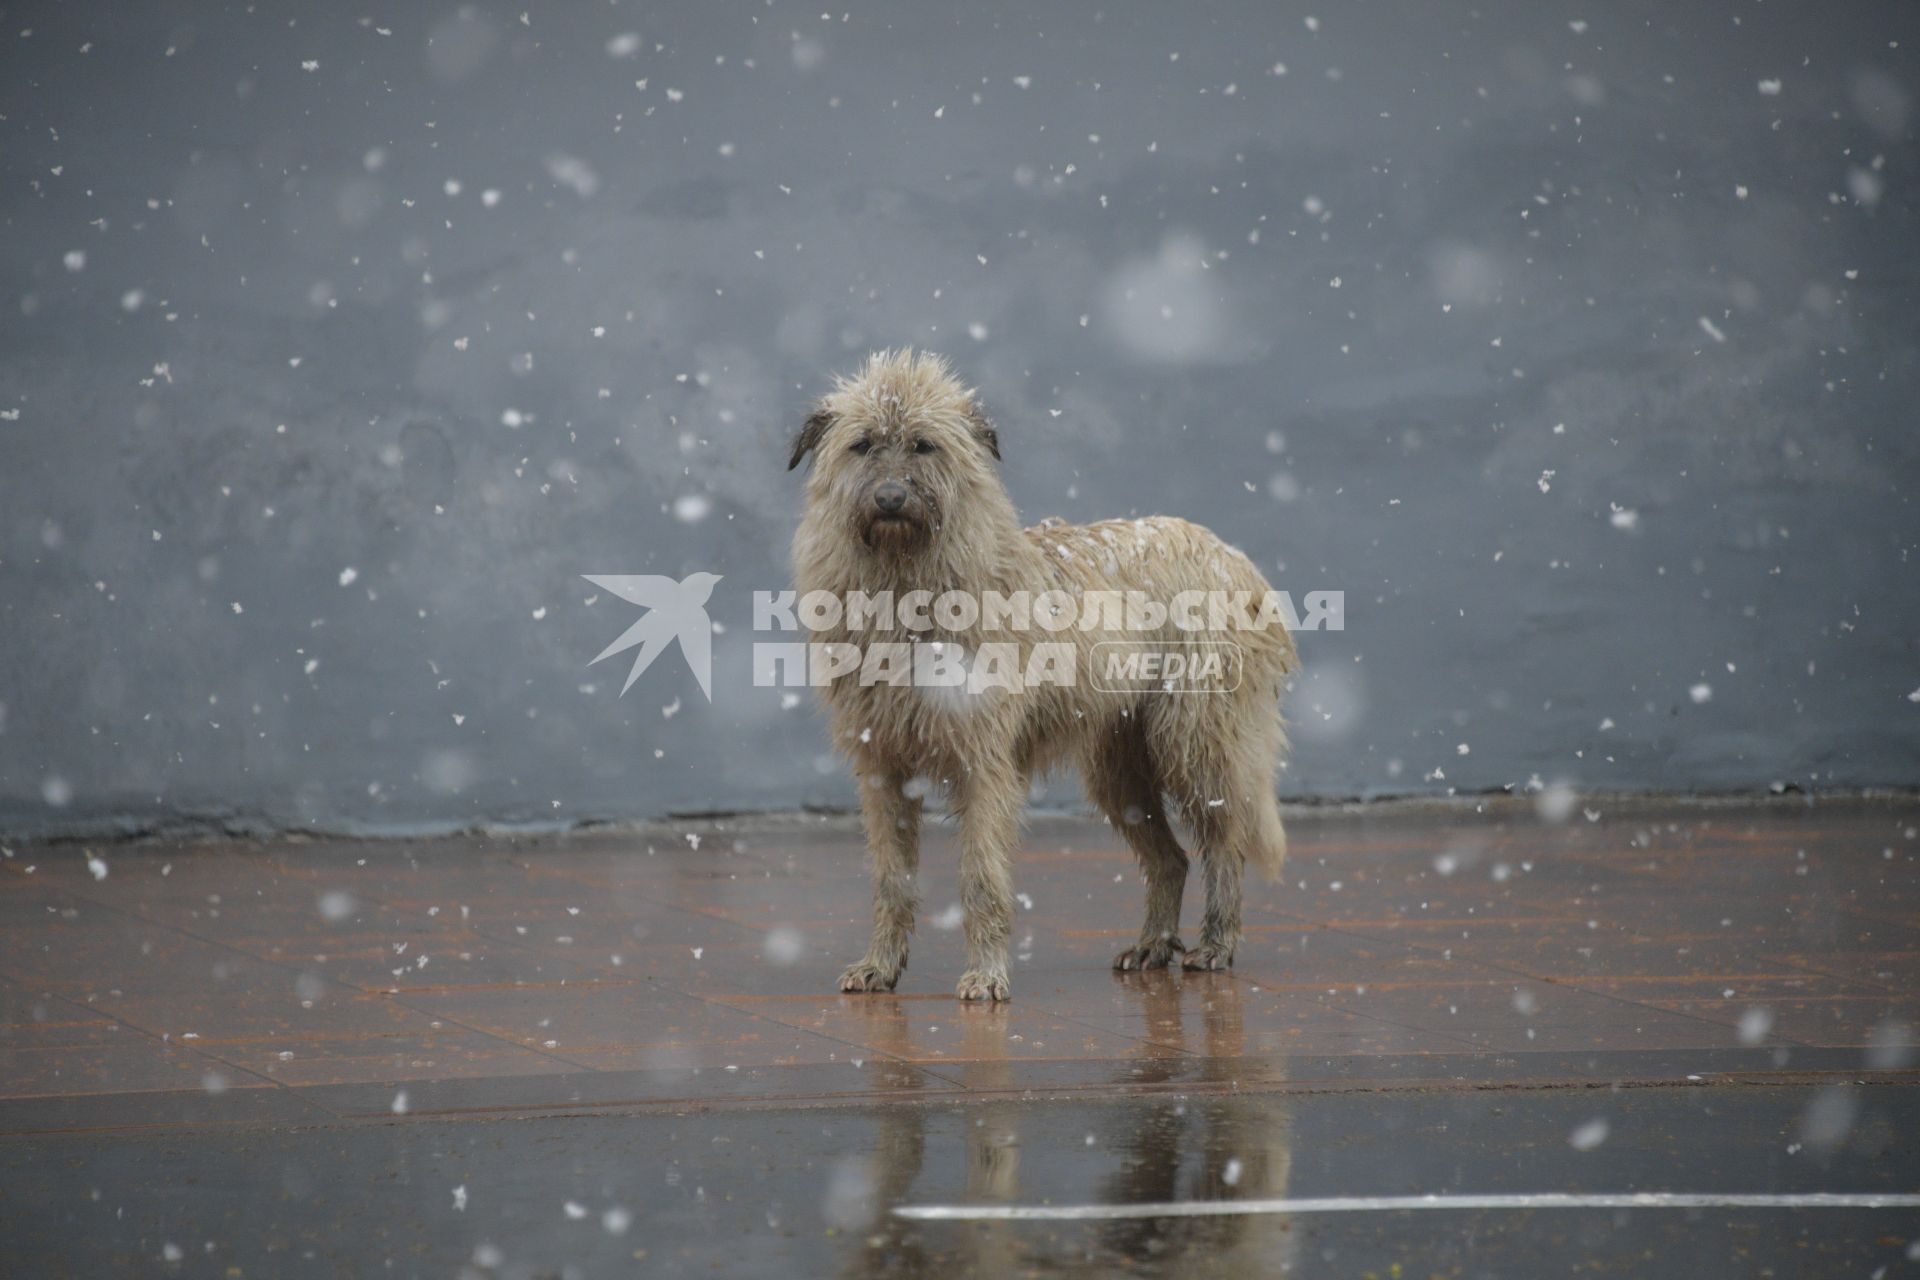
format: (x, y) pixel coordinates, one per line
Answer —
(893, 845)
(1222, 841)
(1228, 799)
(1235, 819)
(1222, 756)
(1220, 927)
(1121, 781)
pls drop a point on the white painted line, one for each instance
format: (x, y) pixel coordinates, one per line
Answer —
(1395, 1204)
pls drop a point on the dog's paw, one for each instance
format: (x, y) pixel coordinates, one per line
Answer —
(868, 976)
(976, 984)
(1148, 955)
(1211, 956)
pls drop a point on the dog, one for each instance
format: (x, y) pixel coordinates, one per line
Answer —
(904, 497)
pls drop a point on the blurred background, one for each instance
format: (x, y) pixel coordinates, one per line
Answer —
(1576, 344)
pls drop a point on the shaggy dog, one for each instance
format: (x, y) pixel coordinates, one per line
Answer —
(905, 496)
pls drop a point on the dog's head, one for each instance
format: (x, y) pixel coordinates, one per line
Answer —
(899, 449)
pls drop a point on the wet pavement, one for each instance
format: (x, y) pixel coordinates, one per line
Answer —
(808, 1191)
(531, 1057)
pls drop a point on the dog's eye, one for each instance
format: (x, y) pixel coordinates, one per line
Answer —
(925, 446)
(862, 445)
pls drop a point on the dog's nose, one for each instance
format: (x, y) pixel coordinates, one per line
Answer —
(890, 497)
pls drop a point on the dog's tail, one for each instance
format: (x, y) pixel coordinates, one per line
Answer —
(1269, 851)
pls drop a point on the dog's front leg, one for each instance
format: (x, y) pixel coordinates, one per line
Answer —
(989, 799)
(893, 847)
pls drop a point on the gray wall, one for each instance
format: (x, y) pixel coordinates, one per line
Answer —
(1349, 315)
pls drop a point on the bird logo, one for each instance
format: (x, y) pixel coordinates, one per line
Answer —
(675, 611)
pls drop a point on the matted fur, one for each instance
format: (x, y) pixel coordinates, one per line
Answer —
(1143, 752)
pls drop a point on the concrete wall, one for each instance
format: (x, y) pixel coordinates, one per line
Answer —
(1577, 345)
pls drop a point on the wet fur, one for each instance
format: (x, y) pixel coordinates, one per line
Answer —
(1145, 755)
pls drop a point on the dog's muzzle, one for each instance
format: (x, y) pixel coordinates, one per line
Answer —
(896, 517)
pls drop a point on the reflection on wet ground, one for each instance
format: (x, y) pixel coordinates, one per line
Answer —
(810, 1191)
(543, 1057)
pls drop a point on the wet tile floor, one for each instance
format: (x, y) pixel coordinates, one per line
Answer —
(180, 1015)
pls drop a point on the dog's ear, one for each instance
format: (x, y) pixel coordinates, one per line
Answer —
(983, 429)
(809, 438)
